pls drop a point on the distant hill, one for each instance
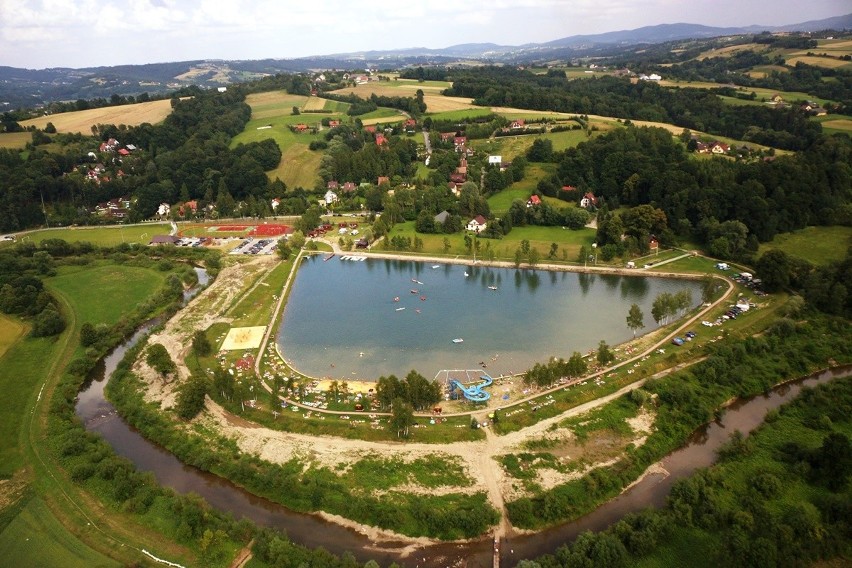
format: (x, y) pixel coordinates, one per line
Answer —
(29, 88)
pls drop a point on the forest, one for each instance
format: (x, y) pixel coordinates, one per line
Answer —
(692, 108)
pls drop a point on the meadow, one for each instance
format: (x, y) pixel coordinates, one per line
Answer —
(298, 166)
(82, 120)
(817, 245)
(36, 538)
(540, 238)
(100, 236)
(119, 288)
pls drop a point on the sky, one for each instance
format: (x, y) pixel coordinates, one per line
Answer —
(38, 34)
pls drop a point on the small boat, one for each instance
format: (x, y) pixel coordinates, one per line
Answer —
(466, 274)
(492, 287)
(400, 309)
(419, 282)
(414, 279)
(458, 340)
(396, 298)
(417, 310)
(422, 298)
(436, 266)
(413, 291)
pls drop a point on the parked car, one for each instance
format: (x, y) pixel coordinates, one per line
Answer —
(677, 341)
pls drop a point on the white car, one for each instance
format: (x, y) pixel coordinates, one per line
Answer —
(707, 323)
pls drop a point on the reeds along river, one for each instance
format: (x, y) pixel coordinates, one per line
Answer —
(99, 416)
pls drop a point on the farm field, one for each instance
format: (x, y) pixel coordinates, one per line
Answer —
(818, 245)
(82, 120)
(435, 102)
(835, 123)
(15, 140)
(101, 236)
(817, 61)
(299, 164)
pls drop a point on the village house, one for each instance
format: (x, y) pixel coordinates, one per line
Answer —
(349, 187)
(517, 124)
(110, 145)
(381, 140)
(719, 148)
(533, 201)
(329, 198)
(187, 207)
(332, 185)
(442, 217)
(477, 224)
(447, 136)
(588, 200)
(459, 142)
(163, 210)
(382, 179)
(333, 123)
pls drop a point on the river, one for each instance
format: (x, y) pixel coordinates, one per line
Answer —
(98, 415)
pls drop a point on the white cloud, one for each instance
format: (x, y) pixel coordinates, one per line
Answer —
(79, 33)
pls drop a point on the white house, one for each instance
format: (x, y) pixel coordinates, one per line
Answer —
(477, 224)
(330, 197)
(163, 210)
(495, 160)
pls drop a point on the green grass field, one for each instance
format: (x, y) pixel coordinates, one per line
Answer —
(835, 123)
(35, 539)
(818, 245)
(500, 202)
(119, 289)
(11, 331)
(22, 370)
(540, 238)
(461, 114)
(101, 236)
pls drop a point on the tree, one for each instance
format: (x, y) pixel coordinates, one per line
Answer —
(773, 267)
(200, 344)
(296, 111)
(190, 397)
(48, 323)
(534, 256)
(605, 355)
(635, 319)
(283, 249)
(402, 417)
(159, 359)
(553, 248)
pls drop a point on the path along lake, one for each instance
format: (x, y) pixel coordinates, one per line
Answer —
(347, 319)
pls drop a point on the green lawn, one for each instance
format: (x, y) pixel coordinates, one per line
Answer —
(256, 307)
(461, 114)
(101, 236)
(535, 172)
(22, 370)
(35, 539)
(15, 140)
(119, 290)
(382, 112)
(540, 238)
(817, 245)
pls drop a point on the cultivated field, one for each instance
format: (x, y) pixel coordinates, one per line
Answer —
(435, 102)
(83, 120)
(15, 140)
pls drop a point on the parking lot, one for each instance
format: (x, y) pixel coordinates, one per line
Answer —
(255, 246)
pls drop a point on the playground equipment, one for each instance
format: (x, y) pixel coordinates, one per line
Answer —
(474, 393)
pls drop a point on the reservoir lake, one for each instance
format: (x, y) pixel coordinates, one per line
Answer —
(352, 320)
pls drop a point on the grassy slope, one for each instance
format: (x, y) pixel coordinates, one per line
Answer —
(818, 245)
(36, 538)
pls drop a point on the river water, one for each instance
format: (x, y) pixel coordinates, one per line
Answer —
(98, 415)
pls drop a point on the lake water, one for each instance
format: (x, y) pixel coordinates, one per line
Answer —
(343, 319)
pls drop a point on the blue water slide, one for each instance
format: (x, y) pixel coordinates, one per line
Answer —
(474, 392)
